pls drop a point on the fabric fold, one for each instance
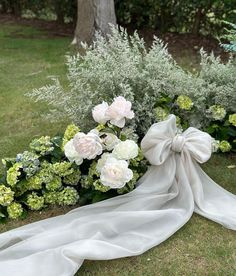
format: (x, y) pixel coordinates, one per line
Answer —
(165, 198)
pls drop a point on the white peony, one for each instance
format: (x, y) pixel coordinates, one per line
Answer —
(88, 145)
(71, 153)
(115, 173)
(126, 150)
(102, 161)
(110, 141)
(118, 111)
(99, 113)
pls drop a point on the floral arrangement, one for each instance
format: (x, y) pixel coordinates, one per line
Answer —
(74, 168)
(220, 124)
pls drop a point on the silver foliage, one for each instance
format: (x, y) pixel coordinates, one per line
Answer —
(123, 66)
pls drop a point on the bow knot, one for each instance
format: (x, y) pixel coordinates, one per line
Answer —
(161, 142)
(178, 143)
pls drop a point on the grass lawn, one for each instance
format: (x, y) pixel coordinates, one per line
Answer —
(27, 57)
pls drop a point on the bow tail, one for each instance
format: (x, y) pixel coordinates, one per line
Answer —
(211, 200)
(124, 226)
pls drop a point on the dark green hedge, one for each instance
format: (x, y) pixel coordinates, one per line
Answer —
(193, 16)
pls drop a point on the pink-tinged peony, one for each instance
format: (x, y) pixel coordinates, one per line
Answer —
(102, 161)
(88, 145)
(119, 110)
(115, 173)
(99, 113)
(71, 153)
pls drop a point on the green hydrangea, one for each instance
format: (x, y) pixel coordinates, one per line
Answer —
(35, 202)
(86, 181)
(35, 183)
(22, 187)
(55, 184)
(62, 168)
(6, 195)
(15, 210)
(68, 196)
(161, 114)
(72, 179)
(42, 146)
(100, 187)
(30, 162)
(51, 198)
(225, 146)
(232, 119)
(13, 174)
(178, 121)
(184, 102)
(46, 173)
(7, 161)
(69, 134)
(217, 112)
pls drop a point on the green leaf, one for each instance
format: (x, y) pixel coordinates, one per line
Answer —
(2, 215)
(210, 130)
(57, 141)
(108, 130)
(99, 197)
(232, 132)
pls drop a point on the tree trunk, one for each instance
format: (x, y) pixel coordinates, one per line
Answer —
(93, 15)
(59, 12)
(197, 21)
(17, 8)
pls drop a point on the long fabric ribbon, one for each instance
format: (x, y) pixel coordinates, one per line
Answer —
(166, 197)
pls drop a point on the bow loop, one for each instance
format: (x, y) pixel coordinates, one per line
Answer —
(161, 141)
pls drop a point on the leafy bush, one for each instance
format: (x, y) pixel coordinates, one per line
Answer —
(177, 16)
(231, 37)
(122, 65)
(60, 10)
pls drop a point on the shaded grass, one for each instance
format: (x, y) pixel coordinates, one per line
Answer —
(26, 63)
(27, 58)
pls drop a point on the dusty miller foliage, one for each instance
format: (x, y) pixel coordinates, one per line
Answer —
(122, 65)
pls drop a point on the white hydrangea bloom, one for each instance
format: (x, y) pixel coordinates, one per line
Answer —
(215, 145)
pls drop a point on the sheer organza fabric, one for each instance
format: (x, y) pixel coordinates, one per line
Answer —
(167, 195)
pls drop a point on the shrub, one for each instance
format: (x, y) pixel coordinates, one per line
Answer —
(122, 65)
(177, 16)
(231, 37)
